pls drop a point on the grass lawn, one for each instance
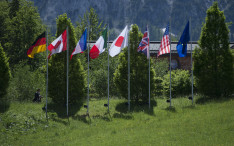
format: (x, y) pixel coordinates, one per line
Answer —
(211, 123)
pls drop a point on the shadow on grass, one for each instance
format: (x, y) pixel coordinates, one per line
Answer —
(189, 107)
(4, 106)
(126, 116)
(84, 118)
(204, 100)
(137, 107)
(61, 109)
(171, 109)
(105, 117)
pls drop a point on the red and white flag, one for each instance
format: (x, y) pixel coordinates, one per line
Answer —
(165, 44)
(58, 45)
(119, 43)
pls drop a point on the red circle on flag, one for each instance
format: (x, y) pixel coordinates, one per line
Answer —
(119, 41)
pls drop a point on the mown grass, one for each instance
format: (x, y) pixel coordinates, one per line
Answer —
(210, 123)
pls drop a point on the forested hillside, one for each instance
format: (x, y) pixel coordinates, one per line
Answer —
(155, 13)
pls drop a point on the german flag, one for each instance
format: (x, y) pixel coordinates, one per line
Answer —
(38, 46)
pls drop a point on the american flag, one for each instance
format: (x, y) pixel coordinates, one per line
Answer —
(165, 44)
(144, 44)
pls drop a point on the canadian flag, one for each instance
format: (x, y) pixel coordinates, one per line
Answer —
(58, 45)
(120, 42)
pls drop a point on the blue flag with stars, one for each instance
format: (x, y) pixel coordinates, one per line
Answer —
(182, 44)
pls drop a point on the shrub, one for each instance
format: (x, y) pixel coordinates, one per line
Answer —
(4, 73)
(180, 83)
(24, 83)
(139, 71)
(58, 69)
(213, 61)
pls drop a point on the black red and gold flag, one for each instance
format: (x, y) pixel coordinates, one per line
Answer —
(38, 46)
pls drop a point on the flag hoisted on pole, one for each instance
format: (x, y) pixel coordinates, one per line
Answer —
(144, 48)
(46, 72)
(165, 43)
(182, 44)
(38, 46)
(67, 69)
(165, 47)
(81, 45)
(191, 58)
(59, 44)
(100, 45)
(119, 43)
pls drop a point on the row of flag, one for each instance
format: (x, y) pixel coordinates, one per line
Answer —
(60, 44)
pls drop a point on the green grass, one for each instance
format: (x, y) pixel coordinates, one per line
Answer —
(211, 123)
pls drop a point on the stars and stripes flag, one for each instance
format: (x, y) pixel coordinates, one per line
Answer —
(165, 43)
(144, 44)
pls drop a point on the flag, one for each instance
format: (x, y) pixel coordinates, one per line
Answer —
(99, 46)
(165, 44)
(58, 45)
(81, 45)
(144, 44)
(120, 42)
(182, 44)
(38, 46)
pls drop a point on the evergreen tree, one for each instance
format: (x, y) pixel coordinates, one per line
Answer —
(22, 31)
(4, 73)
(4, 22)
(58, 66)
(213, 60)
(90, 20)
(14, 8)
(139, 70)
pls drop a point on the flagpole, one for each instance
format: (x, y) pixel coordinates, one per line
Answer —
(67, 68)
(149, 69)
(88, 76)
(46, 71)
(191, 57)
(128, 73)
(108, 71)
(170, 63)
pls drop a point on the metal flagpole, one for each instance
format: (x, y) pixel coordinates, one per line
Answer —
(46, 71)
(88, 76)
(67, 68)
(191, 57)
(149, 67)
(128, 73)
(108, 71)
(170, 62)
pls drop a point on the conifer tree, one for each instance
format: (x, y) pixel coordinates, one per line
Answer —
(14, 8)
(213, 60)
(139, 70)
(4, 73)
(58, 66)
(22, 30)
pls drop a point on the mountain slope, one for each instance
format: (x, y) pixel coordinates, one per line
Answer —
(155, 13)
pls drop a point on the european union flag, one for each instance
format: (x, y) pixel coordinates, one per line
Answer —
(182, 44)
